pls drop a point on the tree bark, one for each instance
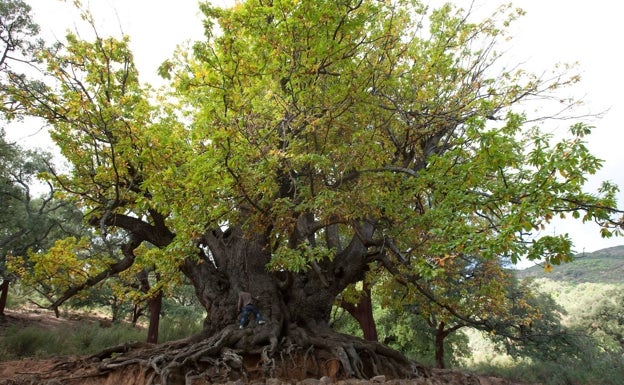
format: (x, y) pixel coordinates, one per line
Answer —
(155, 305)
(439, 345)
(4, 293)
(238, 262)
(363, 314)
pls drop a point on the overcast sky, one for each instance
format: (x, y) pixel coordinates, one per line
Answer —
(552, 31)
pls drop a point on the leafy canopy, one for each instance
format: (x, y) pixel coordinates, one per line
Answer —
(368, 111)
(315, 122)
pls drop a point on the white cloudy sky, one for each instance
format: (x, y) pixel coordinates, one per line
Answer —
(552, 31)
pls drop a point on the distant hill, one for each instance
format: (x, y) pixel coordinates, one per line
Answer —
(602, 266)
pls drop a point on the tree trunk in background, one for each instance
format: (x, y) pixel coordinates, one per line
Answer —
(155, 305)
(363, 313)
(439, 345)
(4, 293)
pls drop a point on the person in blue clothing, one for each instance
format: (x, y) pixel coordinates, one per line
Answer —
(246, 305)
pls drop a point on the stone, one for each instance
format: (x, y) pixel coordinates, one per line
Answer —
(273, 381)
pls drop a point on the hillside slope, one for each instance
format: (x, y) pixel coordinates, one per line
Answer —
(602, 266)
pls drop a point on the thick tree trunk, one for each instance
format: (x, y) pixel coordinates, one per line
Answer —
(4, 293)
(295, 343)
(239, 263)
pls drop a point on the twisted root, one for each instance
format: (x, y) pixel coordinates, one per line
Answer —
(248, 355)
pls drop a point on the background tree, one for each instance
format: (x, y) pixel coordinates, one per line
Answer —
(465, 292)
(18, 43)
(315, 141)
(31, 219)
(533, 327)
(407, 331)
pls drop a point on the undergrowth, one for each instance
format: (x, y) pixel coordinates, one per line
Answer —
(89, 338)
(605, 371)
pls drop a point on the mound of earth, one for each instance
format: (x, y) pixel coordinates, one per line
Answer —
(87, 370)
(74, 371)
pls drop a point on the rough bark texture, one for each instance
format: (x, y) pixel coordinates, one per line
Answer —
(441, 334)
(154, 303)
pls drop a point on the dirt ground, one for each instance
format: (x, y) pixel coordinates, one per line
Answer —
(45, 319)
(78, 370)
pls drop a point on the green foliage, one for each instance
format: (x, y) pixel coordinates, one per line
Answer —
(179, 327)
(92, 338)
(29, 222)
(534, 327)
(408, 332)
(584, 369)
(19, 44)
(405, 330)
(278, 108)
(590, 352)
(28, 342)
(343, 322)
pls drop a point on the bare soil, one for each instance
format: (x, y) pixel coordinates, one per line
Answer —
(83, 370)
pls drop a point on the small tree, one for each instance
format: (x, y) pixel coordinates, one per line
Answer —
(28, 223)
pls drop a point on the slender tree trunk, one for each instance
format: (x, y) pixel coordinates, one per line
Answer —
(439, 345)
(137, 312)
(115, 309)
(4, 293)
(155, 305)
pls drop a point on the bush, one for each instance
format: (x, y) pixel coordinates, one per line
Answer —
(174, 328)
(29, 342)
(91, 338)
(86, 339)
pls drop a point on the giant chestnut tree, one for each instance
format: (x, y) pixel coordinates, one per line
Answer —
(303, 146)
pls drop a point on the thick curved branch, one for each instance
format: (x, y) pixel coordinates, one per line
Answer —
(158, 234)
(113, 269)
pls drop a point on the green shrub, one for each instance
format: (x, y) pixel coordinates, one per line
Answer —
(174, 328)
(29, 342)
(91, 338)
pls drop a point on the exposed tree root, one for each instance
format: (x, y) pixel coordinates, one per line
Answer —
(253, 354)
(245, 355)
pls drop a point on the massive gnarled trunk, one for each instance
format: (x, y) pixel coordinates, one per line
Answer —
(296, 341)
(236, 262)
